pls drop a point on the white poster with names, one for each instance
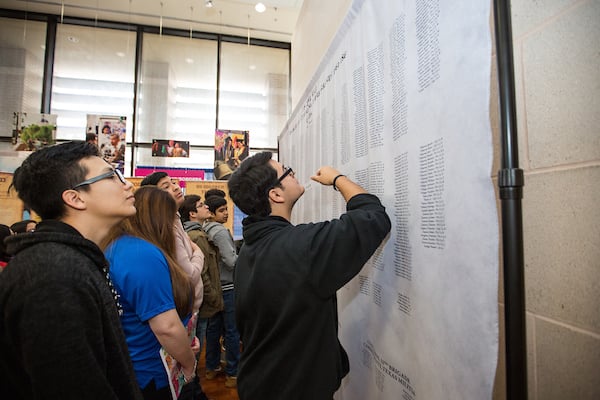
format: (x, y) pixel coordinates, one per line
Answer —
(400, 103)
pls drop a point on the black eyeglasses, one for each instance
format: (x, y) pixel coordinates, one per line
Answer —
(286, 171)
(106, 175)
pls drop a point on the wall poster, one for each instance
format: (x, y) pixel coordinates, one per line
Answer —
(400, 104)
(231, 148)
(109, 134)
(170, 148)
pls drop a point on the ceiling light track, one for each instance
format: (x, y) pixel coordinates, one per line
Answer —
(129, 14)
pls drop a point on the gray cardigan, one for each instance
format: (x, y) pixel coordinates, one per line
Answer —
(222, 238)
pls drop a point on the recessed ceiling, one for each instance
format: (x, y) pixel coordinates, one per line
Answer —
(233, 17)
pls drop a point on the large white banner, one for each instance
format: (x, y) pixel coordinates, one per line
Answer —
(400, 104)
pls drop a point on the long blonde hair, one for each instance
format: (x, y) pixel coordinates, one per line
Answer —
(154, 222)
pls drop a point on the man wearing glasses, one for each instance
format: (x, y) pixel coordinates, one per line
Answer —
(287, 277)
(60, 333)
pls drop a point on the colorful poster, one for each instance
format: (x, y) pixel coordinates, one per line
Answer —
(231, 148)
(172, 366)
(110, 135)
(170, 148)
(33, 131)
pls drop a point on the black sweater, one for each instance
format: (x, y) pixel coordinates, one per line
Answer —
(60, 333)
(285, 286)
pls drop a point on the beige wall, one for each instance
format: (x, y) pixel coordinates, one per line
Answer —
(317, 24)
(557, 71)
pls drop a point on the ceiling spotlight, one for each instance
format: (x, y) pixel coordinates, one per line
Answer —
(260, 7)
(208, 4)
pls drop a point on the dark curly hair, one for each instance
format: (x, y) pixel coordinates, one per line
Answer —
(250, 183)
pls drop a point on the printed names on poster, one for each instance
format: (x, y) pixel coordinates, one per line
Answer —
(375, 81)
(360, 114)
(428, 42)
(382, 108)
(398, 77)
(433, 214)
(402, 248)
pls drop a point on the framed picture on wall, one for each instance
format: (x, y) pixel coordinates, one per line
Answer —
(231, 148)
(170, 148)
(109, 133)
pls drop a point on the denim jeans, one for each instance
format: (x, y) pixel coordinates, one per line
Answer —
(201, 325)
(223, 323)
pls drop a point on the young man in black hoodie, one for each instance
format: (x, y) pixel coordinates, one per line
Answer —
(287, 277)
(60, 333)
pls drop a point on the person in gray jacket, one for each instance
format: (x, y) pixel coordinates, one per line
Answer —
(222, 323)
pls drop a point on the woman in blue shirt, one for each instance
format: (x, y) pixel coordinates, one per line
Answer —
(156, 293)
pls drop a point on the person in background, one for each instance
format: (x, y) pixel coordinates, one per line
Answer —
(193, 214)
(287, 277)
(170, 148)
(60, 334)
(220, 193)
(27, 225)
(179, 151)
(156, 293)
(5, 232)
(188, 255)
(240, 151)
(222, 323)
(115, 151)
(214, 192)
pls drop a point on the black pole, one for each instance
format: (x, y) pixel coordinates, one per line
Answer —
(139, 45)
(51, 26)
(510, 183)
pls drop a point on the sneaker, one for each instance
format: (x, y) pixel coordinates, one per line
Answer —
(231, 382)
(212, 373)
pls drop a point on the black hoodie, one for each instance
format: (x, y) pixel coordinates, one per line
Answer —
(60, 333)
(285, 290)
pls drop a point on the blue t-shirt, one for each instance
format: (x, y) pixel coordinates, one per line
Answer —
(140, 274)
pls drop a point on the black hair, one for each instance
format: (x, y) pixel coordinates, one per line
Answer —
(250, 183)
(48, 172)
(214, 192)
(214, 202)
(153, 178)
(21, 226)
(189, 205)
